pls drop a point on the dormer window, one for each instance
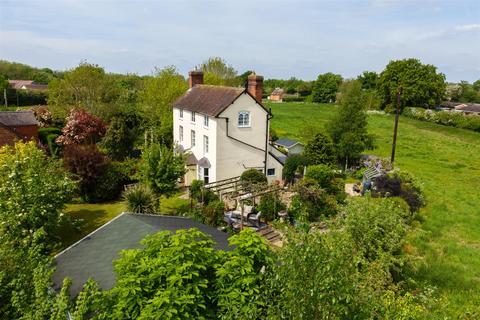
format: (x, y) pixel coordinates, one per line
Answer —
(193, 116)
(244, 119)
(181, 113)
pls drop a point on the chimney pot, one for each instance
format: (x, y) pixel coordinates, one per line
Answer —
(255, 86)
(195, 77)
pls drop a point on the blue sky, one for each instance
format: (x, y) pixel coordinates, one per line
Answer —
(277, 39)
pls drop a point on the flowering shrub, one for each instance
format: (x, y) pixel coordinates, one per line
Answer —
(447, 118)
(82, 128)
(43, 116)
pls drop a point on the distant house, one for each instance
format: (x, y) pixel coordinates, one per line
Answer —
(225, 130)
(93, 256)
(276, 95)
(468, 108)
(291, 146)
(17, 125)
(27, 85)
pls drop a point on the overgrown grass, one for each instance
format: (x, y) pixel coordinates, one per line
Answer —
(174, 205)
(447, 161)
(87, 217)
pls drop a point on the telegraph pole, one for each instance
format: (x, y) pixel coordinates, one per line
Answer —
(397, 115)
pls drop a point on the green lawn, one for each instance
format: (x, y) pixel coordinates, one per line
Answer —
(88, 217)
(447, 161)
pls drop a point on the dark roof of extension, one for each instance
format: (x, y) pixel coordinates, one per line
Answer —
(18, 118)
(93, 256)
(211, 100)
(287, 143)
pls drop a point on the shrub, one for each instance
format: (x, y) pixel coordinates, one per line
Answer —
(82, 128)
(399, 184)
(48, 137)
(195, 190)
(292, 164)
(447, 118)
(320, 150)
(252, 178)
(213, 213)
(313, 202)
(326, 179)
(270, 204)
(140, 199)
(111, 183)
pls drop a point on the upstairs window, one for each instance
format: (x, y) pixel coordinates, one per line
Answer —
(205, 144)
(193, 116)
(180, 133)
(205, 121)
(181, 113)
(244, 119)
(192, 137)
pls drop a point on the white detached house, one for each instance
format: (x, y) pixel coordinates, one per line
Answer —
(225, 130)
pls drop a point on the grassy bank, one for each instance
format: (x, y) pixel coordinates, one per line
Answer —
(447, 161)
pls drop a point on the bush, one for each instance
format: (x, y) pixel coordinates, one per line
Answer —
(251, 178)
(447, 118)
(320, 150)
(270, 204)
(326, 179)
(399, 184)
(140, 199)
(110, 184)
(292, 165)
(213, 213)
(48, 137)
(312, 202)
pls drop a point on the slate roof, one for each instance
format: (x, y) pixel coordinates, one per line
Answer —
(18, 118)
(93, 256)
(287, 143)
(207, 99)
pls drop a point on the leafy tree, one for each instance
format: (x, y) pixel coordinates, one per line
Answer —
(155, 102)
(119, 139)
(368, 79)
(14, 70)
(161, 168)
(242, 79)
(348, 128)
(422, 85)
(325, 88)
(320, 150)
(292, 164)
(87, 86)
(270, 204)
(252, 178)
(88, 164)
(244, 297)
(82, 128)
(218, 72)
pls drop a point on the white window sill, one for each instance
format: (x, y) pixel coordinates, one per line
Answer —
(245, 126)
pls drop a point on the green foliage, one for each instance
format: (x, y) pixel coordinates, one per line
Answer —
(87, 86)
(326, 179)
(170, 278)
(252, 177)
(446, 118)
(140, 199)
(312, 202)
(161, 168)
(325, 88)
(111, 182)
(48, 137)
(273, 136)
(421, 84)
(155, 102)
(368, 79)
(119, 139)
(33, 190)
(19, 71)
(320, 150)
(216, 71)
(213, 212)
(195, 189)
(241, 282)
(348, 128)
(270, 204)
(292, 164)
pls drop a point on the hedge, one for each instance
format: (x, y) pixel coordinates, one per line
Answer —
(447, 118)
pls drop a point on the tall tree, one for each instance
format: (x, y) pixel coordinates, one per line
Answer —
(82, 128)
(348, 128)
(87, 86)
(320, 150)
(422, 85)
(368, 79)
(155, 102)
(325, 88)
(218, 72)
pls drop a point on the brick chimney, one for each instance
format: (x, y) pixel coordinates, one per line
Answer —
(255, 86)
(195, 77)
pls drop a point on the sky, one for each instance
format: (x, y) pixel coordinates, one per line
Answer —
(277, 39)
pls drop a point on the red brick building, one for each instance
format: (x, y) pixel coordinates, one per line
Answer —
(17, 125)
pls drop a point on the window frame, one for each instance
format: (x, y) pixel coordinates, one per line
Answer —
(268, 172)
(180, 133)
(181, 113)
(193, 138)
(241, 116)
(206, 144)
(192, 117)
(206, 121)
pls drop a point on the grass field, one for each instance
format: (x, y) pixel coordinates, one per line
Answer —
(89, 217)
(447, 162)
